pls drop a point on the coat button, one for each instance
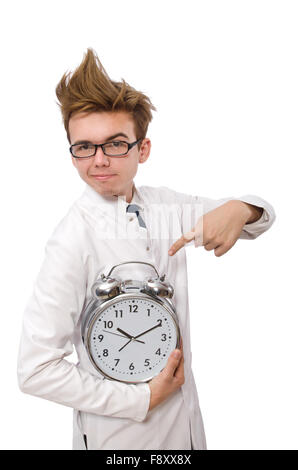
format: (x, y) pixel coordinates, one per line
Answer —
(148, 248)
(130, 219)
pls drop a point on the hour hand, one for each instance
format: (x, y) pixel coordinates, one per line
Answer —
(124, 332)
(128, 335)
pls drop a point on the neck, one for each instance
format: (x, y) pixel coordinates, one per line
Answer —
(129, 193)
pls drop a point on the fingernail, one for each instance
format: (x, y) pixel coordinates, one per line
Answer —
(170, 252)
(176, 354)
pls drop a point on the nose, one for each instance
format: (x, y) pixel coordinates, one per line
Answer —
(100, 158)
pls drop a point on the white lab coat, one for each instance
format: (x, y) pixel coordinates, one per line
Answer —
(95, 235)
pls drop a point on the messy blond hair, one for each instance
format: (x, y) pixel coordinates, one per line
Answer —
(90, 89)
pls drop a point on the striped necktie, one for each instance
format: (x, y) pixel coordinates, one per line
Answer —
(136, 209)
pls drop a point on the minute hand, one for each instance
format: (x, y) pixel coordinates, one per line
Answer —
(150, 329)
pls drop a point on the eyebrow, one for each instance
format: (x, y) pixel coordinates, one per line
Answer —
(106, 140)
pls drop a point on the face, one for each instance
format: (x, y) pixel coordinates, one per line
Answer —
(97, 128)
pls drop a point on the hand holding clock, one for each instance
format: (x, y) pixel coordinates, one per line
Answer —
(170, 379)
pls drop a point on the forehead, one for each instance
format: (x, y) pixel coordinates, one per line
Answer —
(98, 126)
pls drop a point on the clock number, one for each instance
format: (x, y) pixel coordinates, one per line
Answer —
(108, 324)
(148, 310)
(100, 337)
(121, 313)
(147, 362)
(117, 361)
(131, 367)
(158, 351)
(160, 322)
(164, 336)
(105, 352)
(133, 308)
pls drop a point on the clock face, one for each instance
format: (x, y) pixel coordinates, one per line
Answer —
(130, 339)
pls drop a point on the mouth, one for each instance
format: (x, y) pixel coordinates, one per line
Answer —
(102, 177)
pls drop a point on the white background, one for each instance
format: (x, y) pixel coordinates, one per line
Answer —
(223, 75)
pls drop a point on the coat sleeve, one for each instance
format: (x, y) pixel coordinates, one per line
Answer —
(49, 321)
(193, 207)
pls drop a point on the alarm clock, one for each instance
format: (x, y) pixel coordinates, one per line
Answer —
(130, 327)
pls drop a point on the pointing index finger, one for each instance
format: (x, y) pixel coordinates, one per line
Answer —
(186, 238)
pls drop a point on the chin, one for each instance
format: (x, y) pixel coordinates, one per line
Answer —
(103, 188)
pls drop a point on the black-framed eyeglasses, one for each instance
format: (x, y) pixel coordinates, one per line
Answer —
(116, 148)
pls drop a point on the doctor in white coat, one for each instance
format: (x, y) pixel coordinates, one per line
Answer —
(106, 124)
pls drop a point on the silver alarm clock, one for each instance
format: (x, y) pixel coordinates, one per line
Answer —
(130, 327)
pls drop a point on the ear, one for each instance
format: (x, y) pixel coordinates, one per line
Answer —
(144, 150)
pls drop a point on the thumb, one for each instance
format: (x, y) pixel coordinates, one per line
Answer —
(173, 362)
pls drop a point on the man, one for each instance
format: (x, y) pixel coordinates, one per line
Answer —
(106, 124)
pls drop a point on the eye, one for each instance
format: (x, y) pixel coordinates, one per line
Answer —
(84, 147)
